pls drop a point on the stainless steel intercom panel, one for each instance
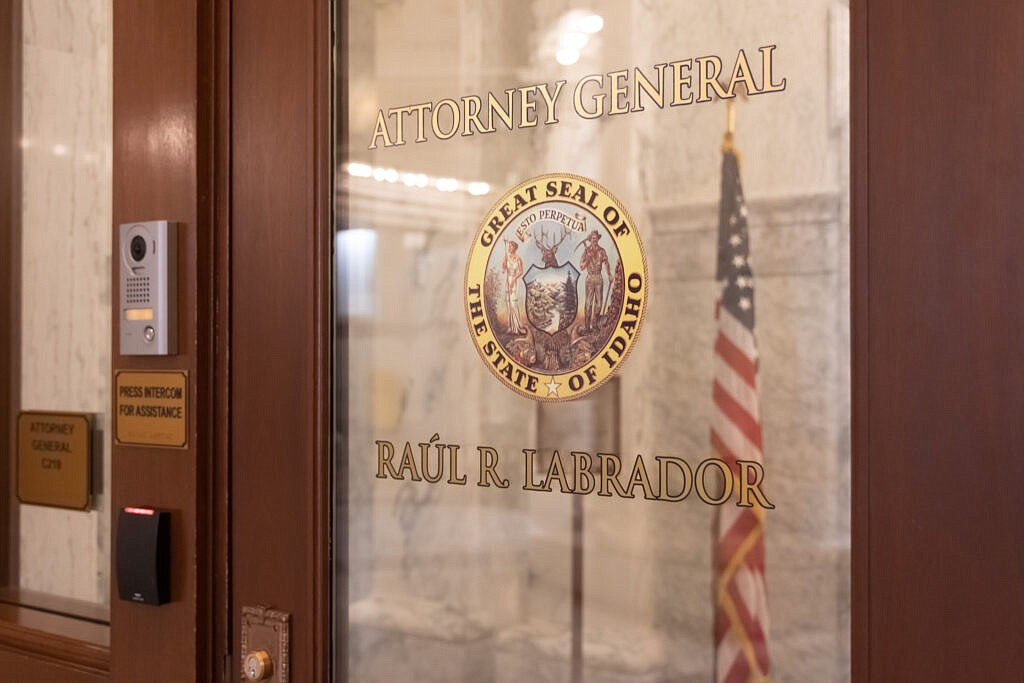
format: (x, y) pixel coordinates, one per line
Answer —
(149, 287)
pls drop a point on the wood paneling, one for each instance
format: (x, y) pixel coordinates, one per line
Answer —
(23, 667)
(860, 634)
(944, 434)
(36, 646)
(57, 642)
(10, 282)
(167, 165)
(281, 321)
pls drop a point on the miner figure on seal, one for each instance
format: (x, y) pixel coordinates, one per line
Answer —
(594, 257)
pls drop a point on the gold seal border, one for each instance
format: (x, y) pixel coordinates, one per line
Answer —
(634, 238)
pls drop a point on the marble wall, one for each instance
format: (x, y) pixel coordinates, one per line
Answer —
(65, 272)
(450, 583)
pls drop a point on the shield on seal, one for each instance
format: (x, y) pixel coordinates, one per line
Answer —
(551, 298)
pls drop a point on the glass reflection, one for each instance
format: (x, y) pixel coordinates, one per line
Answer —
(450, 582)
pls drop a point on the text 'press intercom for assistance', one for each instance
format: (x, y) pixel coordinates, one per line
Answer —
(149, 289)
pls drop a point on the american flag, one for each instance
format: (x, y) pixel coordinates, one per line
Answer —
(741, 607)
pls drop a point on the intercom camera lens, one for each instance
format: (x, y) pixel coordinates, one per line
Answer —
(138, 247)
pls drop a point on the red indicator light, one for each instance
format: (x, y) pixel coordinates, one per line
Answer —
(140, 511)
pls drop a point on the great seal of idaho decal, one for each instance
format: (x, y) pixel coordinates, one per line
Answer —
(556, 287)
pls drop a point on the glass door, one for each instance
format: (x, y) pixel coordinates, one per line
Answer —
(593, 341)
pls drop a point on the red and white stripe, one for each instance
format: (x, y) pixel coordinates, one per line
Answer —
(741, 606)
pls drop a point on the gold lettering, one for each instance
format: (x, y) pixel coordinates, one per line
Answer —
(618, 100)
(385, 452)
(425, 461)
(527, 107)
(706, 78)
(381, 131)
(557, 471)
(399, 124)
(488, 468)
(766, 71)
(741, 74)
(656, 95)
(583, 479)
(678, 81)
(663, 478)
(748, 487)
(700, 479)
(577, 97)
(549, 101)
(420, 110)
(453, 466)
(610, 467)
(528, 483)
(639, 477)
(435, 123)
(504, 114)
(408, 462)
(472, 107)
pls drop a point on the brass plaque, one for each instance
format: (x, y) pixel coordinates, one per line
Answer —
(151, 408)
(54, 459)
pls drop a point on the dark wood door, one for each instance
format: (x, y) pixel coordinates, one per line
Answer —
(938, 429)
(281, 322)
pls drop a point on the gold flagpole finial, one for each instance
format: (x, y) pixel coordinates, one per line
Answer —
(730, 128)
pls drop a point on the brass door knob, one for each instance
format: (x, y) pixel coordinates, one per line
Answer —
(257, 666)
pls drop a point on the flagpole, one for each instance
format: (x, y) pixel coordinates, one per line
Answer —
(728, 147)
(738, 548)
(730, 128)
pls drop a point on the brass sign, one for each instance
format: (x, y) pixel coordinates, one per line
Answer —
(54, 459)
(151, 408)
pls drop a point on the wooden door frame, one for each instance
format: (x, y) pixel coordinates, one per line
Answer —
(938, 167)
(282, 323)
(171, 117)
(860, 640)
(173, 145)
(171, 107)
(10, 257)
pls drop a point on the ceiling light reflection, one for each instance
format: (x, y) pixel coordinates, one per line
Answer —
(447, 184)
(592, 23)
(415, 180)
(477, 188)
(567, 57)
(573, 40)
(359, 170)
